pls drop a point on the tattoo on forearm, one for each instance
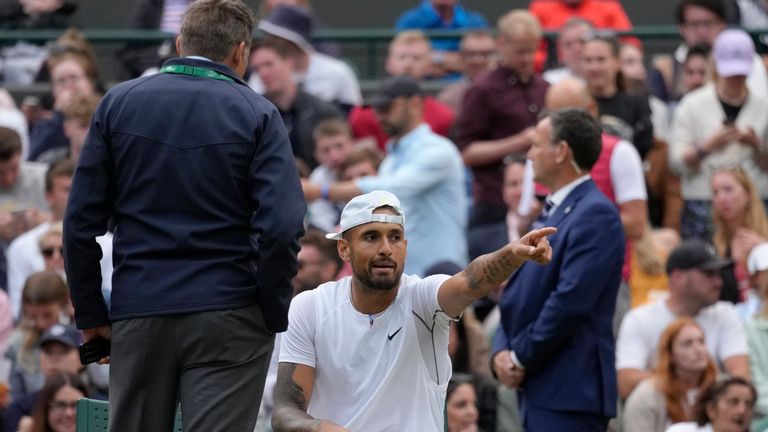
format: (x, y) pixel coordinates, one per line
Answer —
(286, 389)
(490, 269)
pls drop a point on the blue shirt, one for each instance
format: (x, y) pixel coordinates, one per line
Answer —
(425, 17)
(425, 171)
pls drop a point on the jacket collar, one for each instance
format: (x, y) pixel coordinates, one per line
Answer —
(218, 67)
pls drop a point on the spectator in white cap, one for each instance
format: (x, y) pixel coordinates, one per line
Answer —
(373, 344)
(757, 329)
(719, 125)
(321, 75)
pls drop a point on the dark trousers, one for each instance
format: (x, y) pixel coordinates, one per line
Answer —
(542, 420)
(214, 363)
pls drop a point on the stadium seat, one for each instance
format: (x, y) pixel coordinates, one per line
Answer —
(93, 416)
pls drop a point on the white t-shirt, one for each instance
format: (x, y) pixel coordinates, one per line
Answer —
(387, 376)
(637, 344)
(627, 175)
(689, 427)
(23, 258)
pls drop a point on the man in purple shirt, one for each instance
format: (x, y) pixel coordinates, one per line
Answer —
(499, 113)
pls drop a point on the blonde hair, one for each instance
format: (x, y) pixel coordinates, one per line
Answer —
(409, 37)
(755, 217)
(519, 21)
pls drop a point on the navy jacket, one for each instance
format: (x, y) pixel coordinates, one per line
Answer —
(557, 318)
(199, 179)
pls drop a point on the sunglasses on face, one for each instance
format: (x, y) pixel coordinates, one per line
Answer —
(49, 251)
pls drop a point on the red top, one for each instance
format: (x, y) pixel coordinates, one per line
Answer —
(437, 115)
(601, 175)
(552, 14)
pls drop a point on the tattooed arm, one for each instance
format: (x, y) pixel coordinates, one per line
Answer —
(292, 393)
(488, 271)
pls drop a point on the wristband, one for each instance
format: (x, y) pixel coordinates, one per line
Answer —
(325, 192)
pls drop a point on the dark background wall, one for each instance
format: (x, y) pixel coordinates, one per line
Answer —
(364, 13)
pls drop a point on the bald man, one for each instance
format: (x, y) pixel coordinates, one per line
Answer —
(618, 173)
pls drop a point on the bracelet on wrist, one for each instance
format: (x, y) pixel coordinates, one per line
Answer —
(325, 192)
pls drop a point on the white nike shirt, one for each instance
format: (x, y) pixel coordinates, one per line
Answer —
(387, 376)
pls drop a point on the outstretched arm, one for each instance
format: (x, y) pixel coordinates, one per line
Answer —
(488, 271)
(293, 391)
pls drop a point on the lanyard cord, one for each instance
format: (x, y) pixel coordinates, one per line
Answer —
(195, 71)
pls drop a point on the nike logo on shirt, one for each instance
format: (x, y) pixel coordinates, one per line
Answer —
(394, 334)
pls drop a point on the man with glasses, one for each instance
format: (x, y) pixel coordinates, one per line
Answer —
(478, 55)
(422, 168)
(694, 291)
(699, 22)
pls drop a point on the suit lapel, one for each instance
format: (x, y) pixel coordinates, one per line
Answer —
(567, 206)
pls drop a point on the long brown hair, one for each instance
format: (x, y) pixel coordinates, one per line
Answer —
(666, 378)
(53, 384)
(755, 217)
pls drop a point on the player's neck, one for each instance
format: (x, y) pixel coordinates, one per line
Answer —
(371, 301)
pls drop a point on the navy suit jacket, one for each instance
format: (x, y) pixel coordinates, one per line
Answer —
(557, 318)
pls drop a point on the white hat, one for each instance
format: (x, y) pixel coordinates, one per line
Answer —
(359, 211)
(758, 259)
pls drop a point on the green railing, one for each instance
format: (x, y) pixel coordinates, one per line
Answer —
(367, 60)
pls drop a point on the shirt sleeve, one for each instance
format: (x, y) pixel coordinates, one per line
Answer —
(627, 174)
(681, 136)
(425, 303)
(631, 350)
(298, 342)
(733, 340)
(88, 209)
(424, 170)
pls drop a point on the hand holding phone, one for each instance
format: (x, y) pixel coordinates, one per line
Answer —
(94, 350)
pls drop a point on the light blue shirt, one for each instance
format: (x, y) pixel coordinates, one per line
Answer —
(425, 171)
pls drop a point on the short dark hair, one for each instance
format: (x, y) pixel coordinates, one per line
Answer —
(701, 50)
(581, 132)
(59, 168)
(281, 47)
(717, 7)
(362, 154)
(211, 28)
(326, 247)
(713, 393)
(10, 143)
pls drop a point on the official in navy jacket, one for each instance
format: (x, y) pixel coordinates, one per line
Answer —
(555, 342)
(197, 174)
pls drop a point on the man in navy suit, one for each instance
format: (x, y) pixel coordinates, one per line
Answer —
(555, 343)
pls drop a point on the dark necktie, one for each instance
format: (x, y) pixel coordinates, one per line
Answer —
(546, 211)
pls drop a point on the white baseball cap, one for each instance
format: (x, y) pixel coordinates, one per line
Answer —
(758, 259)
(359, 211)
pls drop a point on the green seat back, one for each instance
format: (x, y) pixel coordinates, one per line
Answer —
(93, 416)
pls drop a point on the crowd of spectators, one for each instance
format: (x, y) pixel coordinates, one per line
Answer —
(684, 159)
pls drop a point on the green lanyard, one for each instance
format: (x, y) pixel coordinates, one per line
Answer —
(195, 71)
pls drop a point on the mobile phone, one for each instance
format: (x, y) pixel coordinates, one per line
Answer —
(94, 350)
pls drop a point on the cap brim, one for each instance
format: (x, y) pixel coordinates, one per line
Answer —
(717, 264)
(334, 236)
(282, 32)
(378, 101)
(733, 68)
